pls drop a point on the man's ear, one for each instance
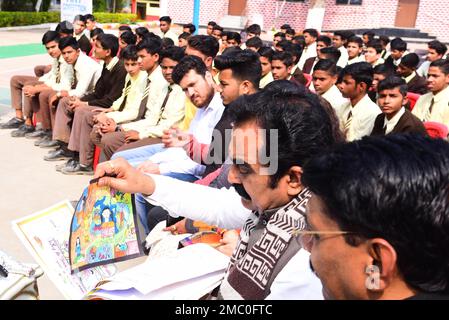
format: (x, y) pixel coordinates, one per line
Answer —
(289, 69)
(381, 267)
(209, 78)
(246, 87)
(362, 87)
(156, 57)
(208, 62)
(294, 185)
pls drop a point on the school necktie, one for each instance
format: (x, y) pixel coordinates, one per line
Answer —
(58, 72)
(127, 90)
(143, 104)
(164, 103)
(348, 123)
(74, 80)
(429, 111)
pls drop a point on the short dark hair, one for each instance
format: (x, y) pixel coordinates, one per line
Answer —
(331, 53)
(80, 17)
(185, 65)
(234, 36)
(129, 53)
(313, 32)
(254, 29)
(152, 46)
(266, 52)
(439, 47)
(325, 39)
(174, 53)
(353, 179)
(254, 42)
(96, 32)
(207, 45)
(375, 44)
(290, 31)
(212, 23)
(285, 26)
(357, 40)
(383, 69)
(217, 27)
(191, 27)
(68, 42)
(245, 65)
(165, 19)
(285, 45)
(410, 60)
(50, 36)
(384, 39)
(296, 50)
(442, 64)
(124, 27)
(167, 42)
(369, 34)
(284, 56)
(142, 32)
(279, 34)
(128, 37)
(184, 35)
(398, 44)
(89, 17)
(391, 83)
(65, 27)
(303, 125)
(360, 72)
(109, 42)
(327, 65)
(342, 34)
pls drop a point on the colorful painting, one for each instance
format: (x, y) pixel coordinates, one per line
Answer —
(103, 229)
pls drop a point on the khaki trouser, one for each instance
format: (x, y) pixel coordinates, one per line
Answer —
(16, 84)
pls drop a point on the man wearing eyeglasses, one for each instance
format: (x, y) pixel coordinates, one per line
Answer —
(379, 219)
(267, 262)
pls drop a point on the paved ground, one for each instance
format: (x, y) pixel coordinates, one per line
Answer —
(28, 183)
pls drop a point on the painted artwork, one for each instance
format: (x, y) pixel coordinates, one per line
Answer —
(45, 234)
(103, 229)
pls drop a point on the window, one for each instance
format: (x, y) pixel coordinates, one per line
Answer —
(353, 2)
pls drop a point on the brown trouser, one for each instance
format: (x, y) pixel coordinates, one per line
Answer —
(80, 136)
(40, 70)
(46, 113)
(113, 142)
(16, 84)
(63, 121)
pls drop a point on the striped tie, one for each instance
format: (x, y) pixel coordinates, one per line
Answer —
(74, 80)
(58, 72)
(143, 104)
(127, 90)
(429, 111)
(348, 123)
(164, 104)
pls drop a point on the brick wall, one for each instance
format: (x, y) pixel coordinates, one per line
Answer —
(432, 18)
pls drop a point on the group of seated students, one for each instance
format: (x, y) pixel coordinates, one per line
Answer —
(185, 128)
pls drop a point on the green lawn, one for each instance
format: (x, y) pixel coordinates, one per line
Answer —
(21, 50)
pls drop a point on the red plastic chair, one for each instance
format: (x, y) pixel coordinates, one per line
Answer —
(412, 97)
(97, 153)
(308, 78)
(436, 129)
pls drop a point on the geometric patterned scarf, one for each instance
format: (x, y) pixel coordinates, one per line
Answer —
(263, 240)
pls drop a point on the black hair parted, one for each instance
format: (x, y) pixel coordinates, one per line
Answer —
(284, 56)
(439, 47)
(303, 125)
(68, 42)
(392, 187)
(442, 64)
(109, 42)
(391, 83)
(185, 65)
(165, 19)
(50, 36)
(245, 65)
(327, 65)
(360, 72)
(207, 45)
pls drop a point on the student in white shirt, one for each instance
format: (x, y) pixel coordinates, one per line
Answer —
(436, 50)
(358, 115)
(339, 40)
(372, 53)
(310, 36)
(324, 78)
(355, 49)
(166, 32)
(266, 54)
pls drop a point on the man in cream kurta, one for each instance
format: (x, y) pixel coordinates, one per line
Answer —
(440, 108)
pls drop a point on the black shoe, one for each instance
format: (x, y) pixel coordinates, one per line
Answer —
(78, 169)
(49, 144)
(58, 154)
(13, 123)
(22, 131)
(43, 139)
(70, 163)
(36, 134)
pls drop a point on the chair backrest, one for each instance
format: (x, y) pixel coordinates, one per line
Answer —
(412, 97)
(436, 129)
(308, 78)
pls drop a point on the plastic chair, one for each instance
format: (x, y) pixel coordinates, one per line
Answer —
(436, 129)
(412, 97)
(308, 78)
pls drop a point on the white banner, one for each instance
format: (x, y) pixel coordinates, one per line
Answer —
(71, 8)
